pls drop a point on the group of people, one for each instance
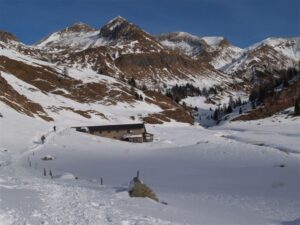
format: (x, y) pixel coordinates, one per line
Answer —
(43, 138)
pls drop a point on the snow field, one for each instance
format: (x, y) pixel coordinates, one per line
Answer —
(204, 175)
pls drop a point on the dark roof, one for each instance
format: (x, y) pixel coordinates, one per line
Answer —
(114, 127)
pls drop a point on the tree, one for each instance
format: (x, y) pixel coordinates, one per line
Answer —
(285, 82)
(229, 109)
(253, 105)
(239, 102)
(231, 102)
(169, 94)
(141, 98)
(297, 107)
(216, 114)
(65, 72)
(253, 95)
(240, 110)
(144, 87)
(132, 82)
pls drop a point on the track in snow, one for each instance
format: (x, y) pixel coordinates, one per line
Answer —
(29, 199)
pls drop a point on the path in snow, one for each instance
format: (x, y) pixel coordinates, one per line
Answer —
(28, 199)
(206, 176)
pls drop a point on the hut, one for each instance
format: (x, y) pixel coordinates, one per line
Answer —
(127, 132)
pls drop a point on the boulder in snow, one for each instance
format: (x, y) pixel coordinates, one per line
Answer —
(48, 157)
(138, 189)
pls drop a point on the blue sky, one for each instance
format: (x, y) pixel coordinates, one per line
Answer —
(243, 22)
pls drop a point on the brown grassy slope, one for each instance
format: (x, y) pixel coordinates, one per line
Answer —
(148, 65)
(48, 80)
(19, 102)
(171, 110)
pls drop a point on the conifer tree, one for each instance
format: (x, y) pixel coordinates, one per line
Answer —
(229, 109)
(297, 107)
(240, 110)
(65, 72)
(216, 114)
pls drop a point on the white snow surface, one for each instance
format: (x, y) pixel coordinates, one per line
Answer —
(236, 173)
(185, 47)
(289, 47)
(74, 40)
(214, 42)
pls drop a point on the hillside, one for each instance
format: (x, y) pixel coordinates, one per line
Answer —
(274, 95)
(236, 171)
(94, 73)
(216, 157)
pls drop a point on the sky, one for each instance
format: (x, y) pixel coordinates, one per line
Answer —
(242, 22)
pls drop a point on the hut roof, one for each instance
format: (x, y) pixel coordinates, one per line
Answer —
(113, 127)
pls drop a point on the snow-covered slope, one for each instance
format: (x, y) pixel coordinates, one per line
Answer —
(122, 49)
(117, 33)
(213, 42)
(216, 50)
(290, 47)
(272, 53)
(188, 44)
(222, 52)
(87, 71)
(40, 88)
(197, 173)
(77, 37)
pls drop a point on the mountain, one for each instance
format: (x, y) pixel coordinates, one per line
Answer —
(77, 36)
(120, 70)
(7, 37)
(221, 52)
(122, 49)
(183, 42)
(272, 53)
(217, 51)
(37, 85)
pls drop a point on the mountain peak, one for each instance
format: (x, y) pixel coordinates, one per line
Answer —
(187, 43)
(214, 41)
(119, 28)
(78, 27)
(117, 19)
(7, 37)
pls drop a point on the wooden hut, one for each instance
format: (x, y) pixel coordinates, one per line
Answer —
(126, 132)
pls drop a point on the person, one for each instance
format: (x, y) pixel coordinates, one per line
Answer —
(43, 139)
(54, 128)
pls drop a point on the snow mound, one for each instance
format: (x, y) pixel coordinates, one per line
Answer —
(6, 219)
(67, 176)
